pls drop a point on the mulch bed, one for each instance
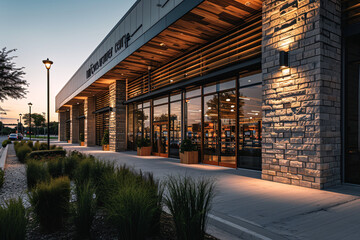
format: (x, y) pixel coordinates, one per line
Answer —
(101, 230)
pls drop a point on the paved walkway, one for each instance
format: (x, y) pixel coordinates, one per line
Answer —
(247, 207)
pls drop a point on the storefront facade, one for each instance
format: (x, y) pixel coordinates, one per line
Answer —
(264, 85)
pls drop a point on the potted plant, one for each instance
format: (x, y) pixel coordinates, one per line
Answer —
(188, 152)
(144, 147)
(82, 139)
(105, 141)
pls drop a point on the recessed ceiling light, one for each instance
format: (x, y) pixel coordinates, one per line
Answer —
(228, 100)
(162, 44)
(171, 80)
(232, 106)
(247, 3)
(232, 110)
(209, 107)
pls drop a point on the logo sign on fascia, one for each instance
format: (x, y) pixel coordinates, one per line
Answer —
(123, 42)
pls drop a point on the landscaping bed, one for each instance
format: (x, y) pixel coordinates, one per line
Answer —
(79, 196)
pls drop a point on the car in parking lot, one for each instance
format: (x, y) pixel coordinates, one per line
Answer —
(15, 136)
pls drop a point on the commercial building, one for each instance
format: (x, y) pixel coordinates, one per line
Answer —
(263, 84)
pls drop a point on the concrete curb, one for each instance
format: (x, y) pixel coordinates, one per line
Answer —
(234, 228)
(3, 157)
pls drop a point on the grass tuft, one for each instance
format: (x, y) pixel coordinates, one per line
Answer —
(189, 202)
(13, 220)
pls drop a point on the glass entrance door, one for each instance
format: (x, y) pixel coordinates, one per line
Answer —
(160, 139)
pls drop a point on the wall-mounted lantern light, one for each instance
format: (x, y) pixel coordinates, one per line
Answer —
(284, 59)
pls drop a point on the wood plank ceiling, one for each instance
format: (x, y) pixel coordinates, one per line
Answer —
(210, 19)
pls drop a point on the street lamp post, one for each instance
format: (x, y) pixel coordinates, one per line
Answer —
(48, 64)
(20, 123)
(30, 104)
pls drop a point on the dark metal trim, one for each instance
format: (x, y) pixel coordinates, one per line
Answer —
(67, 121)
(102, 110)
(342, 116)
(81, 117)
(196, 81)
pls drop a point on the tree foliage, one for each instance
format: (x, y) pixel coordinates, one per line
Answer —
(11, 83)
(37, 119)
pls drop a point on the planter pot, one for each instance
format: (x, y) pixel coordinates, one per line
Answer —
(144, 151)
(106, 147)
(189, 157)
(68, 141)
(82, 143)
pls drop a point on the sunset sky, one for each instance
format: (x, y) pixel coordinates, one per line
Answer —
(65, 31)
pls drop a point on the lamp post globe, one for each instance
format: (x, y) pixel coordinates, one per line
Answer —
(48, 64)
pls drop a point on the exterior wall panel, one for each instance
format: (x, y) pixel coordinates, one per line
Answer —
(142, 13)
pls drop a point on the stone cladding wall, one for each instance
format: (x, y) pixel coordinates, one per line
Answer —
(117, 121)
(301, 103)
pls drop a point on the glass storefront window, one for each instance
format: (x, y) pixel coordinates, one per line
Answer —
(193, 124)
(176, 97)
(250, 120)
(193, 93)
(146, 113)
(228, 127)
(211, 88)
(175, 128)
(227, 84)
(352, 111)
(161, 101)
(161, 113)
(211, 128)
(130, 136)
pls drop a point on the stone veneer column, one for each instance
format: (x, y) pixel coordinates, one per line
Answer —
(74, 124)
(89, 122)
(62, 126)
(301, 104)
(117, 124)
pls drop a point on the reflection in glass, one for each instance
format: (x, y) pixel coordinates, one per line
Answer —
(211, 128)
(161, 113)
(138, 120)
(193, 125)
(228, 127)
(175, 128)
(160, 125)
(250, 119)
(130, 134)
(146, 123)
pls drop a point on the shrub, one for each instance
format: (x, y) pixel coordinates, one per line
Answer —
(105, 139)
(6, 142)
(189, 202)
(37, 146)
(143, 142)
(36, 172)
(187, 146)
(50, 202)
(132, 211)
(2, 176)
(13, 220)
(30, 144)
(85, 208)
(83, 171)
(43, 146)
(22, 152)
(47, 154)
(70, 165)
(55, 167)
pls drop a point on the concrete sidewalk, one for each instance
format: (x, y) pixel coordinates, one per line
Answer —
(247, 207)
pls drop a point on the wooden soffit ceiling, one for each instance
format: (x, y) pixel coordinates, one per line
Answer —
(209, 20)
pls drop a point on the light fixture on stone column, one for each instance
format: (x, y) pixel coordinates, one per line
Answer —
(284, 59)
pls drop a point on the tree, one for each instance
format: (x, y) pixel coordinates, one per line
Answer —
(11, 83)
(37, 120)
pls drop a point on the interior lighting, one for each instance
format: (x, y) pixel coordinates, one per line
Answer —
(228, 100)
(232, 106)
